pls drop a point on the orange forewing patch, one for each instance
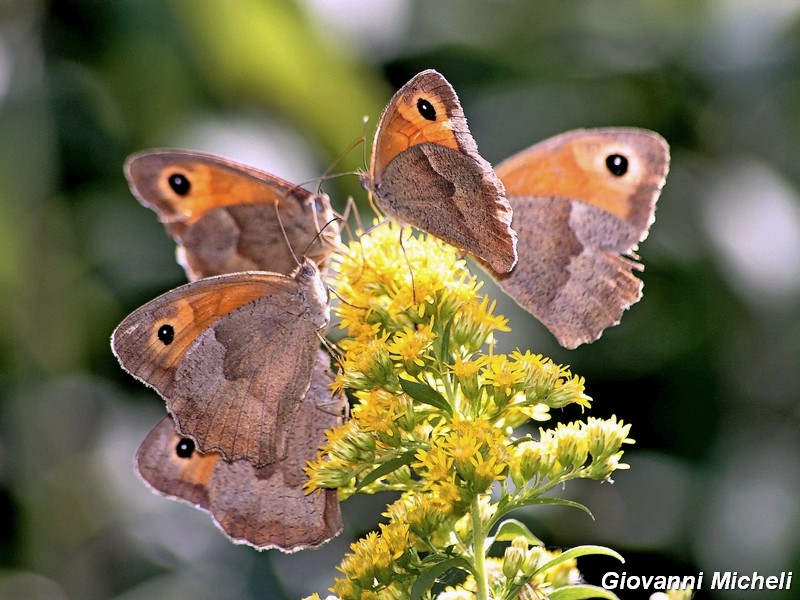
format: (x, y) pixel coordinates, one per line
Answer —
(211, 189)
(404, 127)
(574, 169)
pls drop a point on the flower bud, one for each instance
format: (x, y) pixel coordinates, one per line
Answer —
(514, 557)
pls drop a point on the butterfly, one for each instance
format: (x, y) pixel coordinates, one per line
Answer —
(425, 171)
(582, 201)
(232, 355)
(222, 214)
(557, 225)
(236, 354)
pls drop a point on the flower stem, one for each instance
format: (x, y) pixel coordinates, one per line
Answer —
(479, 550)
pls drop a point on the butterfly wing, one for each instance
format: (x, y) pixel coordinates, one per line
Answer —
(582, 202)
(232, 356)
(169, 464)
(265, 507)
(224, 214)
(425, 170)
(287, 517)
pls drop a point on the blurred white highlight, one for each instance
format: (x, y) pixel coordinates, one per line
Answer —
(373, 28)
(752, 215)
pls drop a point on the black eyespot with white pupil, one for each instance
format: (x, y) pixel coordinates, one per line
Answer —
(179, 183)
(184, 448)
(617, 164)
(166, 333)
(426, 109)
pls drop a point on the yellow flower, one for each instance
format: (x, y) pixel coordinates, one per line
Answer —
(436, 463)
(395, 537)
(366, 365)
(514, 556)
(450, 496)
(358, 328)
(569, 391)
(412, 311)
(466, 372)
(345, 588)
(464, 440)
(467, 368)
(460, 291)
(377, 268)
(372, 562)
(377, 412)
(524, 461)
(605, 438)
(456, 593)
(572, 446)
(477, 451)
(409, 346)
(422, 512)
(504, 375)
(475, 322)
(548, 455)
(546, 382)
(519, 413)
(486, 471)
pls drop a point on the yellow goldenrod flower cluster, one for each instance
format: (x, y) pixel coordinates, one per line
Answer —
(434, 416)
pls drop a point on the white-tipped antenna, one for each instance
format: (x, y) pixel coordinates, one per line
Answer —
(327, 174)
(368, 169)
(364, 121)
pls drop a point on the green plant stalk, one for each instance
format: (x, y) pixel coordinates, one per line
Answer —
(479, 551)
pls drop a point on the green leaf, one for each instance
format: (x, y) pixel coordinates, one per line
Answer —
(511, 528)
(556, 502)
(504, 508)
(388, 467)
(577, 592)
(429, 576)
(422, 392)
(576, 552)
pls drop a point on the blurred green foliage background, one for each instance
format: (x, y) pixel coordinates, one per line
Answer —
(706, 367)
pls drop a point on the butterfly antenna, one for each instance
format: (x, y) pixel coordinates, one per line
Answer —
(332, 348)
(370, 199)
(364, 121)
(286, 237)
(327, 174)
(335, 293)
(319, 234)
(351, 207)
(410, 270)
